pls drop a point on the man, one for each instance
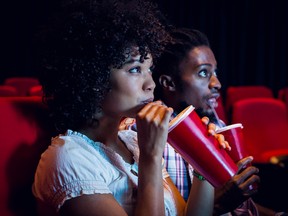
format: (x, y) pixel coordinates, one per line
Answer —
(186, 74)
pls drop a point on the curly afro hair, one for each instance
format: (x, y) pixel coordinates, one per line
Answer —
(81, 43)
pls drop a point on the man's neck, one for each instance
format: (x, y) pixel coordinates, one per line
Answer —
(211, 117)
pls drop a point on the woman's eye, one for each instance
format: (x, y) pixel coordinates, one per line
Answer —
(135, 70)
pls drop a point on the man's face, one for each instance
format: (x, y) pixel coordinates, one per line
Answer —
(200, 85)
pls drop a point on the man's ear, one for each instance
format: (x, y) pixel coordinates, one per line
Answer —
(167, 83)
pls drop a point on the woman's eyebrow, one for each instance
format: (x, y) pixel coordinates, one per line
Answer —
(205, 64)
(131, 61)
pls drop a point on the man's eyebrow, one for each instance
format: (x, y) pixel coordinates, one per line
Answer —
(205, 64)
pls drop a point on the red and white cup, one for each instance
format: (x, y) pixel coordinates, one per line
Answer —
(234, 135)
(189, 137)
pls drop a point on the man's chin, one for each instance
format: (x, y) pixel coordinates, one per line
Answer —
(205, 112)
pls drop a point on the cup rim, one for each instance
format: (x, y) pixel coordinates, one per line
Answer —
(228, 127)
(180, 117)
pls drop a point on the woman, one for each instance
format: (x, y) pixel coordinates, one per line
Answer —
(98, 61)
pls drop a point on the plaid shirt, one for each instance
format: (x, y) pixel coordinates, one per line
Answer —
(179, 170)
(180, 173)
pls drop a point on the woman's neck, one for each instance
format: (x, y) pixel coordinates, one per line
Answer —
(106, 132)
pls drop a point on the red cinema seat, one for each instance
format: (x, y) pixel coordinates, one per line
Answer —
(7, 91)
(282, 92)
(236, 93)
(25, 133)
(22, 84)
(265, 127)
(283, 95)
(35, 91)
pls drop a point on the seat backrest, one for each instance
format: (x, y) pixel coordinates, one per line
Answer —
(7, 91)
(22, 84)
(283, 95)
(265, 126)
(35, 91)
(236, 93)
(25, 133)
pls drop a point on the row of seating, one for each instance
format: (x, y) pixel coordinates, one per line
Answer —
(264, 117)
(26, 131)
(21, 86)
(236, 93)
(265, 129)
(30, 86)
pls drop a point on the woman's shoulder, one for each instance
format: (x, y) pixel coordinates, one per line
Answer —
(64, 146)
(73, 147)
(69, 164)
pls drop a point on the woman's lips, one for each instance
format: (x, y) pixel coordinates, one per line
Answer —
(148, 101)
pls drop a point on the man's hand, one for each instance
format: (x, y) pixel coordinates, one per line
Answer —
(238, 189)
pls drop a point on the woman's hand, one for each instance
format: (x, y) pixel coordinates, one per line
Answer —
(211, 130)
(152, 126)
(152, 129)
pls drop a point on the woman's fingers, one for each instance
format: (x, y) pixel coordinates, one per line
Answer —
(156, 113)
(142, 113)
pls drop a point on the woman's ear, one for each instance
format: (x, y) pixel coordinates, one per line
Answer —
(167, 83)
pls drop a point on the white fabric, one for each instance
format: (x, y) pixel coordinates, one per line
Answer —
(74, 165)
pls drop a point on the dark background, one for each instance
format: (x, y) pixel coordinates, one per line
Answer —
(249, 37)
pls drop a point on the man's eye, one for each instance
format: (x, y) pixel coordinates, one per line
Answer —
(203, 73)
(215, 73)
(135, 70)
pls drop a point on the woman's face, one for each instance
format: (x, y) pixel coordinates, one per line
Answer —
(200, 85)
(132, 87)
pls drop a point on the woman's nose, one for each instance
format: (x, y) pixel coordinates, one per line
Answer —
(149, 84)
